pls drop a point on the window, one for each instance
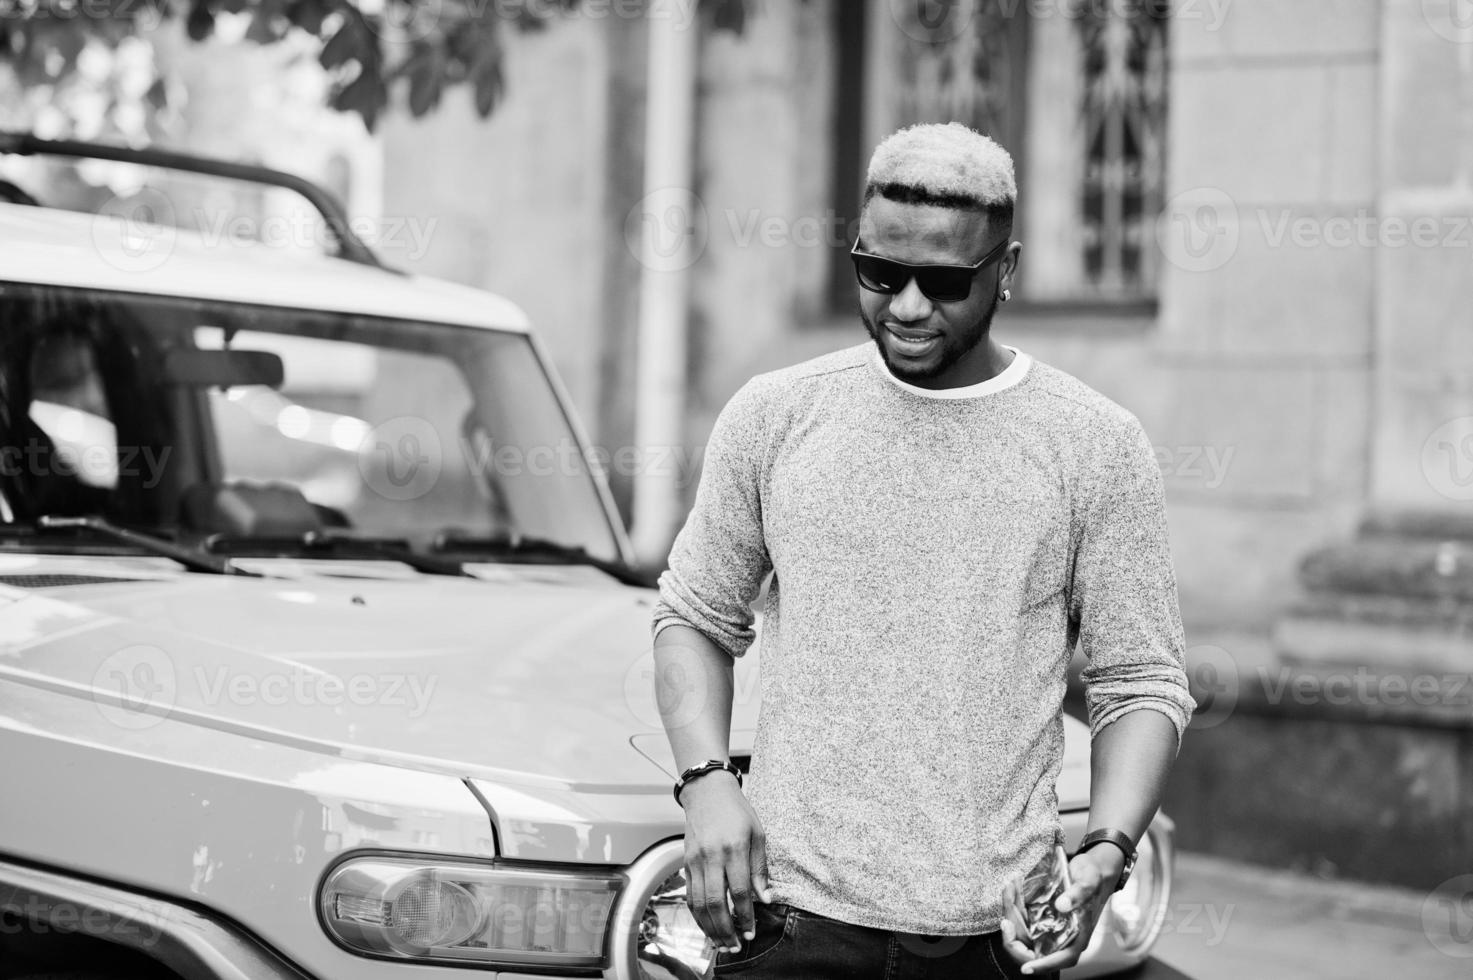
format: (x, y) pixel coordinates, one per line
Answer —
(1075, 89)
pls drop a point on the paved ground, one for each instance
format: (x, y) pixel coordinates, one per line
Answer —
(1230, 921)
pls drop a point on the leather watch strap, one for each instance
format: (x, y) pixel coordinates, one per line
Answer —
(1121, 840)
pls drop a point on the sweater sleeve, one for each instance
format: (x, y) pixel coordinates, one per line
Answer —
(720, 557)
(1124, 593)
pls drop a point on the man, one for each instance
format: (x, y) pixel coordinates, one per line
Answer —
(943, 517)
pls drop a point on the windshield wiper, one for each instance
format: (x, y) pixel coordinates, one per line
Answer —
(318, 544)
(518, 545)
(196, 561)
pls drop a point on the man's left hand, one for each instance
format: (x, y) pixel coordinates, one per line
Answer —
(1094, 874)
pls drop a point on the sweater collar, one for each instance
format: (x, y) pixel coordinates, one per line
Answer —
(1007, 378)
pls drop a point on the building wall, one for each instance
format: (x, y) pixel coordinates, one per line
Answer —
(1422, 429)
(1255, 377)
(764, 159)
(511, 203)
(1264, 345)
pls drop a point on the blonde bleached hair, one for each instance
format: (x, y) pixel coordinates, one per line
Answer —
(946, 165)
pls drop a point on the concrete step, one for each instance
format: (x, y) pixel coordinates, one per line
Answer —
(1396, 566)
(1436, 525)
(1390, 656)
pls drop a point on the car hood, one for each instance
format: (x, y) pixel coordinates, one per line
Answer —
(541, 675)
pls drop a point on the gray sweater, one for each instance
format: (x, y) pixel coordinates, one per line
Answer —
(936, 555)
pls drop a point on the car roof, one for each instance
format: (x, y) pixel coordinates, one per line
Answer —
(67, 248)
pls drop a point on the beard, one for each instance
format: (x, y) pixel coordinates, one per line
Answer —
(954, 345)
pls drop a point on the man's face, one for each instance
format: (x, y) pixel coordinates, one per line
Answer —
(928, 343)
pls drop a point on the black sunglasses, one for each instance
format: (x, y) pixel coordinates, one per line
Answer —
(939, 283)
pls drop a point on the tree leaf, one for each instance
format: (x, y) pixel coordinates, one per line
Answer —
(201, 20)
(65, 41)
(426, 73)
(344, 46)
(728, 15)
(268, 23)
(489, 85)
(309, 14)
(365, 95)
(158, 94)
(463, 44)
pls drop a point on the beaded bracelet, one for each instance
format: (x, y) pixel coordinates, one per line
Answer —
(710, 765)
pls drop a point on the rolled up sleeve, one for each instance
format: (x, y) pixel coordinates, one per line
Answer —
(1124, 595)
(720, 556)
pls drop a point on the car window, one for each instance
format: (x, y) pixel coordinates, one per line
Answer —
(352, 440)
(387, 427)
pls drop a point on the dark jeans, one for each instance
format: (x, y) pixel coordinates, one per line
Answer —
(793, 944)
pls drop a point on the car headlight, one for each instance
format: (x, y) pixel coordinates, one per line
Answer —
(656, 937)
(1140, 907)
(415, 909)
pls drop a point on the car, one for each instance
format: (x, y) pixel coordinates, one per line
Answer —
(322, 648)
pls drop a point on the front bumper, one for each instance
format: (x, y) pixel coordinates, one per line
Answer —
(200, 946)
(45, 905)
(196, 944)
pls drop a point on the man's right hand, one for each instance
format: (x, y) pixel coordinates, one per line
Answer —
(725, 852)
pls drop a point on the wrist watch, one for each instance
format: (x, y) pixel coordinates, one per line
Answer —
(1121, 840)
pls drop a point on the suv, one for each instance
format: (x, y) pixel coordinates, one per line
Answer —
(321, 654)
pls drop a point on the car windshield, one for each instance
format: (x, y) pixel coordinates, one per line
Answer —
(185, 416)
